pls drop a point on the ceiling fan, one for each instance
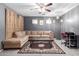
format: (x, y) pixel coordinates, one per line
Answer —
(43, 7)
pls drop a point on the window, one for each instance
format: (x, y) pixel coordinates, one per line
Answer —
(34, 21)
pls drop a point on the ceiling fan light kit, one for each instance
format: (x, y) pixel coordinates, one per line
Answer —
(43, 8)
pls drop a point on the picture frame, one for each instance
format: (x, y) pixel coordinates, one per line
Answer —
(41, 22)
(34, 21)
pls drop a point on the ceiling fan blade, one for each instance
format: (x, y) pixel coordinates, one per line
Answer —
(49, 4)
(40, 4)
(48, 10)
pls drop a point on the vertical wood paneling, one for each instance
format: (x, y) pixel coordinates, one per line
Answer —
(20, 23)
(8, 14)
(13, 23)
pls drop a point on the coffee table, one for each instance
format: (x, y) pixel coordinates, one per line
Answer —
(40, 43)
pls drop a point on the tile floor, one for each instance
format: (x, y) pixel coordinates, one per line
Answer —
(68, 51)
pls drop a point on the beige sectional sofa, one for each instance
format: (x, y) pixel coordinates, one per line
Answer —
(48, 34)
(18, 41)
(21, 37)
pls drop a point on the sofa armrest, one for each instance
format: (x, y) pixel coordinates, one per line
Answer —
(51, 35)
(12, 43)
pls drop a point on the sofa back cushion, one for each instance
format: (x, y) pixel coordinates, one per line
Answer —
(20, 33)
(34, 33)
(28, 32)
(46, 32)
(40, 33)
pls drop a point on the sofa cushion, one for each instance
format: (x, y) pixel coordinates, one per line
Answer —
(34, 33)
(45, 36)
(23, 39)
(39, 32)
(46, 32)
(28, 32)
(20, 33)
(12, 40)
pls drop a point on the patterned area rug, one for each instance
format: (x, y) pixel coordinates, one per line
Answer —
(43, 47)
(41, 44)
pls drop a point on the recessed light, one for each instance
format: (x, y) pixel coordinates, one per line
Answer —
(61, 20)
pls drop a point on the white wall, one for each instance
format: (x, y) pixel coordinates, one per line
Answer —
(2, 23)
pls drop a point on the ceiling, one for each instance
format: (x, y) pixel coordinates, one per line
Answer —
(28, 9)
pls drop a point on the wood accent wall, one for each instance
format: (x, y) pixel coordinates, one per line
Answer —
(14, 22)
